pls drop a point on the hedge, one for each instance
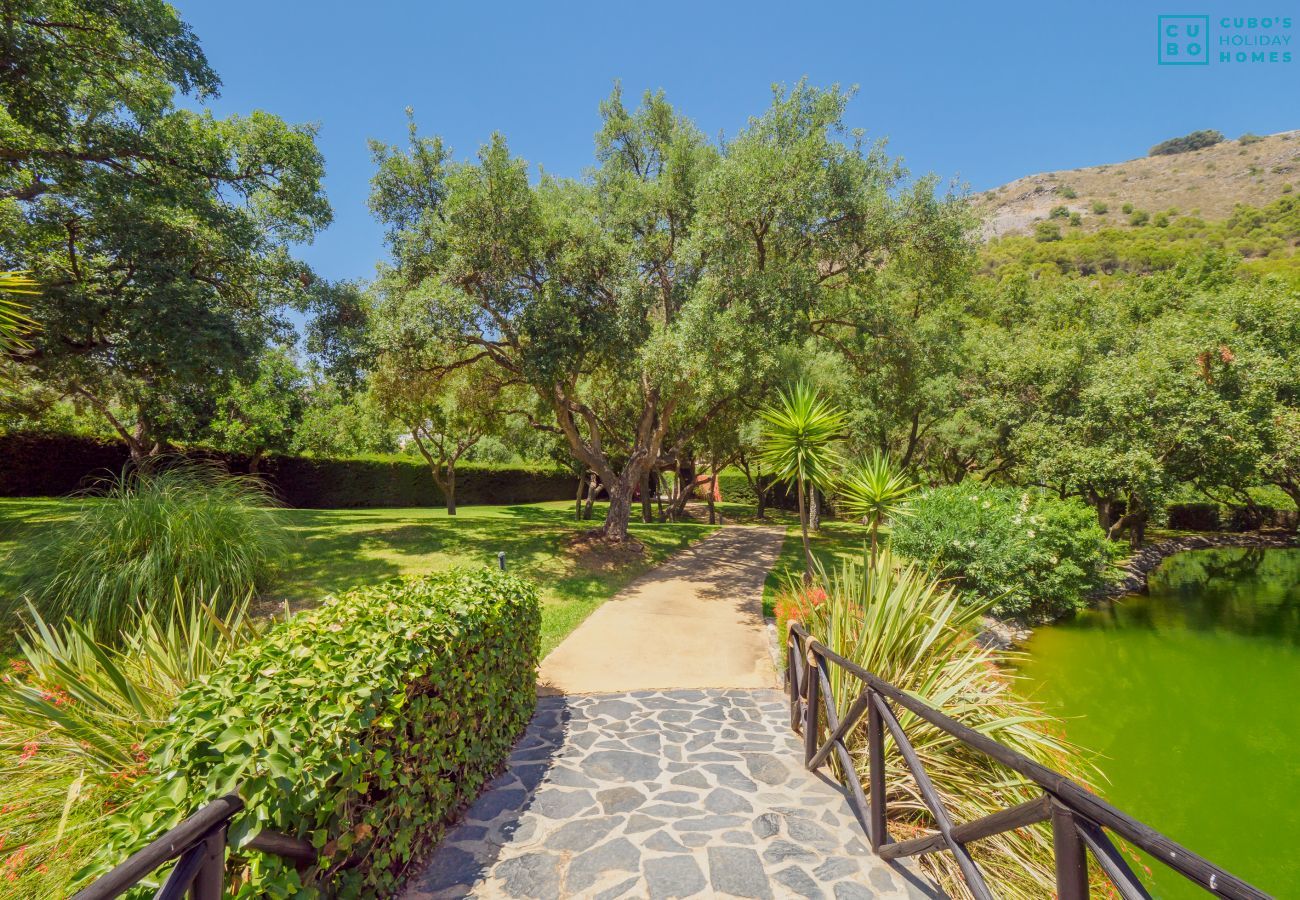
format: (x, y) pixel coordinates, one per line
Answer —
(50, 465)
(362, 726)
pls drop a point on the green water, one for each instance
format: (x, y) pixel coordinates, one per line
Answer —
(1190, 695)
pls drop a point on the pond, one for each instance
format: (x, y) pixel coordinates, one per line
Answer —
(1189, 694)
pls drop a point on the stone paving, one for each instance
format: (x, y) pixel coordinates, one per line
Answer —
(658, 794)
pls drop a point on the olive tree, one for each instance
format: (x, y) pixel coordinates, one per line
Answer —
(641, 299)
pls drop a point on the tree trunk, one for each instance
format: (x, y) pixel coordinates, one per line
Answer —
(713, 491)
(592, 486)
(814, 508)
(647, 510)
(620, 510)
(451, 488)
(803, 526)
(577, 501)
(255, 462)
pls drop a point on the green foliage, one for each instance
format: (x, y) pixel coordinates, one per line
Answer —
(74, 713)
(1197, 140)
(1022, 552)
(14, 322)
(337, 423)
(1100, 207)
(799, 434)
(874, 489)
(1059, 212)
(160, 234)
(145, 534)
(260, 415)
(1126, 208)
(361, 726)
(1249, 138)
(1140, 217)
(1045, 232)
(1076, 219)
(1068, 192)
(897, 621)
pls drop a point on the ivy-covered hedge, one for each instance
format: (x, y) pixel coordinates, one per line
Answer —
(51, 465)
(361, 726)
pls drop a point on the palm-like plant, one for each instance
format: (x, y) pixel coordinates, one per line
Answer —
(873, 488)
(798, 445)
(898, 621)
(13, 322)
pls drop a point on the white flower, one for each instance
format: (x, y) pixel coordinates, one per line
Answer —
(1030, 532)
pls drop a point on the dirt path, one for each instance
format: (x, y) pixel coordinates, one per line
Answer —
(694, 622)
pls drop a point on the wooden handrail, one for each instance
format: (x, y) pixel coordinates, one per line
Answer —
(199, 843)
(1079, 817)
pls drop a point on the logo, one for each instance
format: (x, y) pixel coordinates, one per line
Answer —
(1184, 40)
(1258, 40)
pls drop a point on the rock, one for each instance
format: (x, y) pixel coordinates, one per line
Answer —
(721, 800)
(555, 804)
(586, 868)
(581, 834)
(799, 882)
(621, 765)
(673, 876)
(738, 871)
(535, 876)
(619, 799)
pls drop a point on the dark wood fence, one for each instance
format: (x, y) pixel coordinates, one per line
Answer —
(1080, 820)
(199, 846)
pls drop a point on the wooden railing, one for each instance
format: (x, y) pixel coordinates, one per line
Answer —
(1079, 818)
(199, 846)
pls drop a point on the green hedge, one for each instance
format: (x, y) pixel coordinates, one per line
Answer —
(51, 465)
(1027, 553)
(361, 726)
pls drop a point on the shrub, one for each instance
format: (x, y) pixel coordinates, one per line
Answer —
(1141, 217)
(184, 530)
(73, 715)
(1075, 219)
(898, 622)
(1287, 188)
(1197, 140)
(1068, 192)
(1059, 212)
(360, 726)
(1026, 553)
(1249, 138)
(1045, 232)
(1126, 208)
(1100, 208)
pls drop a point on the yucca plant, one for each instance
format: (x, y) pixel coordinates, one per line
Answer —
(74, 712)
(798, 444)
(896, 620)
(874, 489)
(141, 533)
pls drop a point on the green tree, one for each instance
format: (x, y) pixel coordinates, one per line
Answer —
(642, 299)
(261, 415)
(337, 422)
(159, 235)
(873, 488)
(800, 432)
(14, 322)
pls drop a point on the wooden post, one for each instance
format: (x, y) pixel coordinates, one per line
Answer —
(812, 690)
(1071, 856)
(876, 769)
(209, 883)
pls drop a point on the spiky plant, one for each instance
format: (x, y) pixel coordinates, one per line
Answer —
(800, 431)
(142, 532)
(74, 711)
(896, 620)
(14, 322)
(873, 488)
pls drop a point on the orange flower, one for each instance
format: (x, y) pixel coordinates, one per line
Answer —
(29, 750)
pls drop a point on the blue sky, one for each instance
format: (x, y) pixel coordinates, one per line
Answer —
(981, 92)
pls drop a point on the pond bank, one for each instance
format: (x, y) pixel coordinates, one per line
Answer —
(1001, 634)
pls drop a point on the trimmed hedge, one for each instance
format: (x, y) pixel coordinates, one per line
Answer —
(361, 726)
(51, 465)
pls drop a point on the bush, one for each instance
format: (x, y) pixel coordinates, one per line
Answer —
(46, 465)
(1075, 219)
(1045, 232)
(74, 712)
(1100, 208)
(361, 726)
(898, 622)
(1197, 140)
(1029, 554)
(144, 537)
(1126, 208)
(1249, 138)
(1141, 217)
(1068, 192)
(1059, 212)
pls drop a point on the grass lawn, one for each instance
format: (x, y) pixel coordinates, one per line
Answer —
(833, 543)
(335, 549)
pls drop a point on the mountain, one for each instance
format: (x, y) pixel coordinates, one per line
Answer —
(1206, 183)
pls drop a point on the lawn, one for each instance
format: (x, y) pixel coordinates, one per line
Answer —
(833, 543)
(335, 549)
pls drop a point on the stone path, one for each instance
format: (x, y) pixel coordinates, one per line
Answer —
(660, 762)
(696, 621)
(657, 794)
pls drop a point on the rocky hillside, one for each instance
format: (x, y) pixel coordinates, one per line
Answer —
(1205, 183)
